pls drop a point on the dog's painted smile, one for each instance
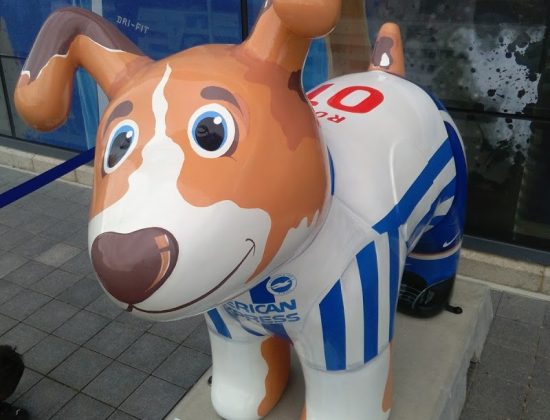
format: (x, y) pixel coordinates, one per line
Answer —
(220, 284)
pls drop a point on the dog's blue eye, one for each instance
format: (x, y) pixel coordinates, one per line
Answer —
(122, 141)
(211, 131)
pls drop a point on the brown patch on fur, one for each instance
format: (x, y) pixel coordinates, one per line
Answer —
(63, 26)
(285, 106)
(278, 166)
(295, 84)
(276, 353)
(383, 46)
(389, 42)
(304, 413)
(109, 188)
(121, 110)
(214, 93)
(45, 102)
(388, 390)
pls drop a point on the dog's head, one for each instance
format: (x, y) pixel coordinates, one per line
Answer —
(209, 169)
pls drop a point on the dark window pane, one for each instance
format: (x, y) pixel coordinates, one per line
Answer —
(475, 54)
(508, 178)
(73, 134)
(20, 22)
(4, 119)
(161, 28)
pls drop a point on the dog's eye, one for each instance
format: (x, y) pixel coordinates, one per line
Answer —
(211, 131)
(122, 141)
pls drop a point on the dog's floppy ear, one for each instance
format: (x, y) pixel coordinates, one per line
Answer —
(72, 38)
(285, 27)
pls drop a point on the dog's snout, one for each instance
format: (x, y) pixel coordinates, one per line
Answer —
(134, 265)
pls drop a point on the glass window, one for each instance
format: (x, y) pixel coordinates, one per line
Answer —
(20, 22)
(487, 61)
(4, 119)
(508, 178)
(482, 55)
(161, 28)
(72, 135)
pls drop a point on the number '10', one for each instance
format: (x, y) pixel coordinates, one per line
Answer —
(374, 99)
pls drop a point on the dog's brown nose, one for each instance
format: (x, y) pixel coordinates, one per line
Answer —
(134, 265)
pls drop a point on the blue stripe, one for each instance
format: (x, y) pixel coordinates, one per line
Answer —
(216, 318)
(248, 330)
(278, 330)
(368, 271)
(402, 211)
(260, 294)
(331, 164)
(394, 276)
(333, 323)
(436, 220)
(45, 178)
(445, 194)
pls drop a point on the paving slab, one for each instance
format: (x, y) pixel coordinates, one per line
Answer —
(29, 273)
(28, 380)
(47, 354)
(84, 407)
(22, 337)
(80, 328)
(153, 399)
(80, 368)
(176, 331)
(148, 352)
(432, 355)
(45, 398)
(113, 339)
(115, 384)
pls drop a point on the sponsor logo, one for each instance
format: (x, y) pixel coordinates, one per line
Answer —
(264, 313)
(447, 243)
(282, 284)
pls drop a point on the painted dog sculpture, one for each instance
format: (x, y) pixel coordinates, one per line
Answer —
(217, 190)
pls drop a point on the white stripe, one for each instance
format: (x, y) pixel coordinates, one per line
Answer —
(383, 261)
(310, 346)
(352, 294)
(234, 328)
(440, 182)
(97, 7)
(438, 256)
(443, 208)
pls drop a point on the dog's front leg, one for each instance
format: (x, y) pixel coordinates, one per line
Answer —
(250, 372)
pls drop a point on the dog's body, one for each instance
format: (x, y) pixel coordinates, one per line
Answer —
(215, 191)
(389, 186)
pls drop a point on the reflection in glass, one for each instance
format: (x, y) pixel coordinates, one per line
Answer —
(508, 178)
(4, 119)
(475, 54)
(72, 135)
(162, 28)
